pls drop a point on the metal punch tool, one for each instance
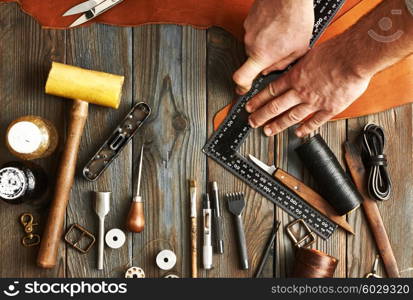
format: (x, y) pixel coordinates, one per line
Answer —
(91, 9)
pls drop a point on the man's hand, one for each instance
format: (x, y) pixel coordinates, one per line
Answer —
(334, 74)
(320, 85)
(277, 32)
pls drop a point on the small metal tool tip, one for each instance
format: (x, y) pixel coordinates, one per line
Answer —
(206, 202)
(214, 185)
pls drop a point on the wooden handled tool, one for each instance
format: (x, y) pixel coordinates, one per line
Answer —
(371, 210)
(83, 86)
(136, 218)
(305, 192)
(194, 235)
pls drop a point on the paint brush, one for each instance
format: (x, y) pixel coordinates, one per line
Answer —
(194, 250)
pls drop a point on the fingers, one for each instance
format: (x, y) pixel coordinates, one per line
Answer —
(246, 74)
(289, 118)
(274, 108)
(284, 63)
(313, 123)
(273, 90)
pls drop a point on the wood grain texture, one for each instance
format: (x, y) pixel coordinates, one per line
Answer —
(184, 74)
(396, 212)
(334, 133)
(25, 55)
(106, 49)
(225, 55)
(170, 68)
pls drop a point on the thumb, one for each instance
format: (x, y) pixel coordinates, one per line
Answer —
(246, 74)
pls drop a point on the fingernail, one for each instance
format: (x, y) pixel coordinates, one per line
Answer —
(267, 131)
(248, 108)
(299, 133)
(252, 123)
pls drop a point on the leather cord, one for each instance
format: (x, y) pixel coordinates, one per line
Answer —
(379, 183)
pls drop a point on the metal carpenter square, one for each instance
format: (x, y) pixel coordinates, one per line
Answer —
(225, 142)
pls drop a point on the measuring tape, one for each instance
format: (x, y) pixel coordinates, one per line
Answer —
(225, 142)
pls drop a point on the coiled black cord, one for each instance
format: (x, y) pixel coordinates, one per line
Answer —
(379, 183)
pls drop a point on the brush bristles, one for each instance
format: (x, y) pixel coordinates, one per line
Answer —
(192, 183)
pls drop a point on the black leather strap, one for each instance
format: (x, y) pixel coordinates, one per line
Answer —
(379, 183)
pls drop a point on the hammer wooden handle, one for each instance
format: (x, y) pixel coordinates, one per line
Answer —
(136, 217)
(371, 211)
(54, 227)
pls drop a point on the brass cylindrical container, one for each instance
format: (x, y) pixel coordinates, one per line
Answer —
(31, 137)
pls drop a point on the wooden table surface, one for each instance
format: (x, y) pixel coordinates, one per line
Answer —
(184, 74)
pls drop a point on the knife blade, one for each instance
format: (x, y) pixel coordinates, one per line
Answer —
(305, 192)
(269, 169)
(82, 7)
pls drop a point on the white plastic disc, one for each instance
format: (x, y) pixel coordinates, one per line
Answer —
(115, 238)
(135, 272)
(166, 260)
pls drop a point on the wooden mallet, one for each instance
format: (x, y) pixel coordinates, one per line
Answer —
(84, 87)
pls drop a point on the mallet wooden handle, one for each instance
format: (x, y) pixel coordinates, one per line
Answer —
(136, 217)
(371, 211)
(54, 227)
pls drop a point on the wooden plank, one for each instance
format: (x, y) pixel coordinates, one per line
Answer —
(170, 68)
(397, 212)
(107, 49)
(25, 55)
(334, 133)
(225, 55)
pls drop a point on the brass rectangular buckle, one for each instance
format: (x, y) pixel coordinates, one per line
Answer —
(73, 238)
(307, 240)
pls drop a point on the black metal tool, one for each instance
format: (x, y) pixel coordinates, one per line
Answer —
(236, 204)
(268, 249)
(225, 142)
(117, 141)
(218, 221)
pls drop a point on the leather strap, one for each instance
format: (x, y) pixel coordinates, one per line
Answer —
(379, 183)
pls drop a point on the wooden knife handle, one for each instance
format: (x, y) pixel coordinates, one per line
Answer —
(54, 227)
(194, 250)
(136, 217)
(312, 198)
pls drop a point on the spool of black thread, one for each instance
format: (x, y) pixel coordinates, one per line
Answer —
(334, 183)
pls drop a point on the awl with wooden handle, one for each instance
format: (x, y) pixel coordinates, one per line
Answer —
(136, 217)
(358, 173)
(305, 192)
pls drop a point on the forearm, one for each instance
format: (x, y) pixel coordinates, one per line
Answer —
(368, 47)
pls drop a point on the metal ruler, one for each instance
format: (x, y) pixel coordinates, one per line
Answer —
(225, 142)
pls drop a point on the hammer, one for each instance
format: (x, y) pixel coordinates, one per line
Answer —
(83, 86)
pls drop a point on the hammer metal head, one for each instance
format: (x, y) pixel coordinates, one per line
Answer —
(90, 86)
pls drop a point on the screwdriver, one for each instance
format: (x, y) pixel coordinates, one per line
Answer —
(136, 217)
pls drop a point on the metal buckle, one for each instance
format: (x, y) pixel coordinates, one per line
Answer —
(310, 236)
(30, 239)
(74, 230)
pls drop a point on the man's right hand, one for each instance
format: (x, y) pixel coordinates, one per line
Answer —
(277, 32)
